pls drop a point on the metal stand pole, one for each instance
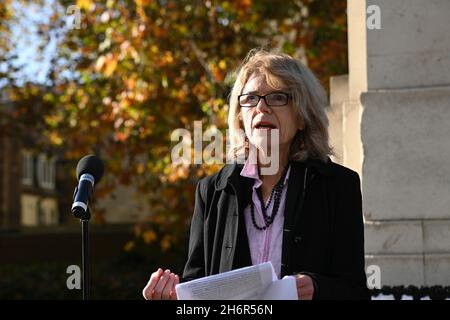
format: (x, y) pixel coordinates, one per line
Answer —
(85, 254)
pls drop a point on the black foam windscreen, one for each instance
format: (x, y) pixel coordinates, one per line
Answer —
(92, 165)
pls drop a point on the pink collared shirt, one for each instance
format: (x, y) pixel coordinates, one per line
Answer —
(265, 245)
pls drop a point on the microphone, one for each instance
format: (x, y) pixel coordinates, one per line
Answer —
(89, 172)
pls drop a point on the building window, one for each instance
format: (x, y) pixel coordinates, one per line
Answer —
(36, 211)
(29, 210)
(27, 168)
(45, 169)
(48, 211)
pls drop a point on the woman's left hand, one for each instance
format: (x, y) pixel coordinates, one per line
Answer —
(305, 287)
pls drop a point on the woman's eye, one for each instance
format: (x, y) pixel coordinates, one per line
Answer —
(277, 97)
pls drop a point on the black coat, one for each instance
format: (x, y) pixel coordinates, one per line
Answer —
(323, 233)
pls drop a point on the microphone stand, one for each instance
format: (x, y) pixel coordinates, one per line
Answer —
(84, 219)
(85, 253)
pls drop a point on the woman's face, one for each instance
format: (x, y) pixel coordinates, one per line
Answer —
(259, 121)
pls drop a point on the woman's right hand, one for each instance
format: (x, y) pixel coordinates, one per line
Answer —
(161, 286)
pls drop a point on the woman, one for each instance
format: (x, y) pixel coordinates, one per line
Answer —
(305, 216)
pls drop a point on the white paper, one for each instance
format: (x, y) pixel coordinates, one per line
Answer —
(284, 289)
(249, 283)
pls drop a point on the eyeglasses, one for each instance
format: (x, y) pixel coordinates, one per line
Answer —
(276, 99)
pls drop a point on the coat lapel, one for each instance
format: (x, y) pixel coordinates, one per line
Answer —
(237, 251)
(295, 188)
(243, 187)
(293, 198)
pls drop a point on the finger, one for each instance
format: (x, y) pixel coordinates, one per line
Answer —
(305, 293)
(173, 293)
(165, 295)
(303, 281)
(300, 280)
(157, 295)
(148, 290)
(305, 287)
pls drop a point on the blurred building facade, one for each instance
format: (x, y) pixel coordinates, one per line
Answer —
(36, 189)
(28, 193)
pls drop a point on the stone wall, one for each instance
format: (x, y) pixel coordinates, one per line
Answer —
(390, 120)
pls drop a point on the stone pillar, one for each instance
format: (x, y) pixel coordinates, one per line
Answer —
(399, 104)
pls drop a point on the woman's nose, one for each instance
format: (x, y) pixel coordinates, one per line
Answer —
(263, 107)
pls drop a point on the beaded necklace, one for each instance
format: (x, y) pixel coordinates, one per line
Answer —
(276, 196)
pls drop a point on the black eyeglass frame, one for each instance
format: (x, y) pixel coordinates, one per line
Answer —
(288, 96)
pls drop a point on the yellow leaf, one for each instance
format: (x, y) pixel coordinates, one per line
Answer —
(110, 67)
(222, 64)
(129, 246)
(84, 4)
(55, 139)
(110, 4)
(142, 2)
(140, 168)
(164, 81)
(168, 57)
(137, 230)
(165, 243)
(100, 62)
(154, 49)
(149, 236)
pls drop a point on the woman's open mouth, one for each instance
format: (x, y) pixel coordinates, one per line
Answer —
(264, 125)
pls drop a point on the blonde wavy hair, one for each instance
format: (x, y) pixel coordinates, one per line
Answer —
(308, 96)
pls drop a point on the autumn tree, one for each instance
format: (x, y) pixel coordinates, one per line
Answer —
(134, 71)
